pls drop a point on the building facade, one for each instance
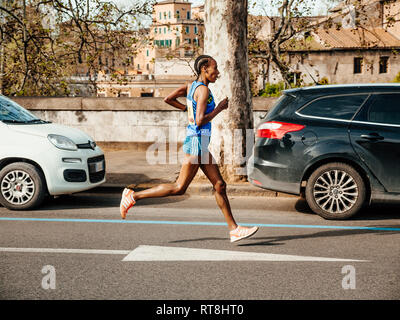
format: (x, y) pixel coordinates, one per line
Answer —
(354, 47)
(165, 61)
(345, 47)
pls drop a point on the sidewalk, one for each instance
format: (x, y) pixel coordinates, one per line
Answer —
(130, 167)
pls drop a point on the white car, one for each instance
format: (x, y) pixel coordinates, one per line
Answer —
(38, 158)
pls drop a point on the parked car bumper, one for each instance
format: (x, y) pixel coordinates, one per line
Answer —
(271, 176)
(70, 172)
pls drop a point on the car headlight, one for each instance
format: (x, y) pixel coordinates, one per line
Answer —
(62, 142)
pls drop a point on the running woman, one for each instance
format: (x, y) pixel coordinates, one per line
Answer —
(201, 110)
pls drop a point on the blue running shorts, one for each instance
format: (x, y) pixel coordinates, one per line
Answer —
(196, 145)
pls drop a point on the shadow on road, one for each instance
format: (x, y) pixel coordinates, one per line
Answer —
(199, 239)
(372, 212)
(136, 179)
(89, 200)
(279, 240)
(218, 239)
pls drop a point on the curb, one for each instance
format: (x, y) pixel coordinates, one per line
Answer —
(202, 189)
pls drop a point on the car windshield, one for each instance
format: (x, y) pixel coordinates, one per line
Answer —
(12, 112)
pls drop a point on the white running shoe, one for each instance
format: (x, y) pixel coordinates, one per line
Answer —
(242, 233)
(127, 202)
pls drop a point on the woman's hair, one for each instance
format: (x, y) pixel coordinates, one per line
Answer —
(200, 61)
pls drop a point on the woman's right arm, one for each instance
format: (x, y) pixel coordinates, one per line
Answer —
(171, 99)
(202, 95)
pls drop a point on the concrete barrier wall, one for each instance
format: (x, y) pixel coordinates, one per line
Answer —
(135, 120)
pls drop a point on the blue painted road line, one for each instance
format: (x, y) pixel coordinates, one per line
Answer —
(200, 223)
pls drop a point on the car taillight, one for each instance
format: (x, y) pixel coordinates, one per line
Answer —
(257, 182)
(276, 130)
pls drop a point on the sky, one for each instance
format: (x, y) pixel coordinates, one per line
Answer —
(261, 7)
(320, 6)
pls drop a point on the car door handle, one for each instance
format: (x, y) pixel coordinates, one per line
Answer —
(372, 136)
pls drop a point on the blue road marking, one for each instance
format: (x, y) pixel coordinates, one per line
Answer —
(200, 223)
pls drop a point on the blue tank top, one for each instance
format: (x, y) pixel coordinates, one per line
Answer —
(193, 129)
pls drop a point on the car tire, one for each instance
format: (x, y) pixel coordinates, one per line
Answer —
(22, 186)
(335, 191)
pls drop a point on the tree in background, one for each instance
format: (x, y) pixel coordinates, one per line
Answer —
(225, 39)
(291, 25)
(42, 42)
(287, 20)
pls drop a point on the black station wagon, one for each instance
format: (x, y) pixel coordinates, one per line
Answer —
(338, 145)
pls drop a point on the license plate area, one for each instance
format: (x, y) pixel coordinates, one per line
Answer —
(95, 167)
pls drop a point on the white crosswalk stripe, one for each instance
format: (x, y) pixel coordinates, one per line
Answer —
(157, 253)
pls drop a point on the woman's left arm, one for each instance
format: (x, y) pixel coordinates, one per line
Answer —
(171, 99)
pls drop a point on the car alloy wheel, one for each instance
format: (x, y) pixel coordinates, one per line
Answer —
(22, 186)
(17, 187)
(335, 191)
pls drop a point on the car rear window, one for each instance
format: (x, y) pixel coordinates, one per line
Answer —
(335, 107)
(385, 108)
(280, 104)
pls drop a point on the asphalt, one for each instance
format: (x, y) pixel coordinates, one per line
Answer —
(134, 168)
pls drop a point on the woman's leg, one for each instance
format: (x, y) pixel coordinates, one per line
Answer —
(188, 171)
(211, 170)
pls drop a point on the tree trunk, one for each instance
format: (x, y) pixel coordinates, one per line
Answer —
(226, 41)
(1, 65)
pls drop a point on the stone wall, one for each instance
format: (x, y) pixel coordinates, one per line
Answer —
(122, 120)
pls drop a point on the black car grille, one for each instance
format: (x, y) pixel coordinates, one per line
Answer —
(96, 176)
(89, 145)
(72, 175)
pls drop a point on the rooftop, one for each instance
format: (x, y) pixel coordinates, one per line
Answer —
(173, 1)
(343, 39)
(346, 86)
(356, 38)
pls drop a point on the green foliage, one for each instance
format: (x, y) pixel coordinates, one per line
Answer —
(275, 89)
(272, 90)
(43, 47)
(323, 81)
(397, 78)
